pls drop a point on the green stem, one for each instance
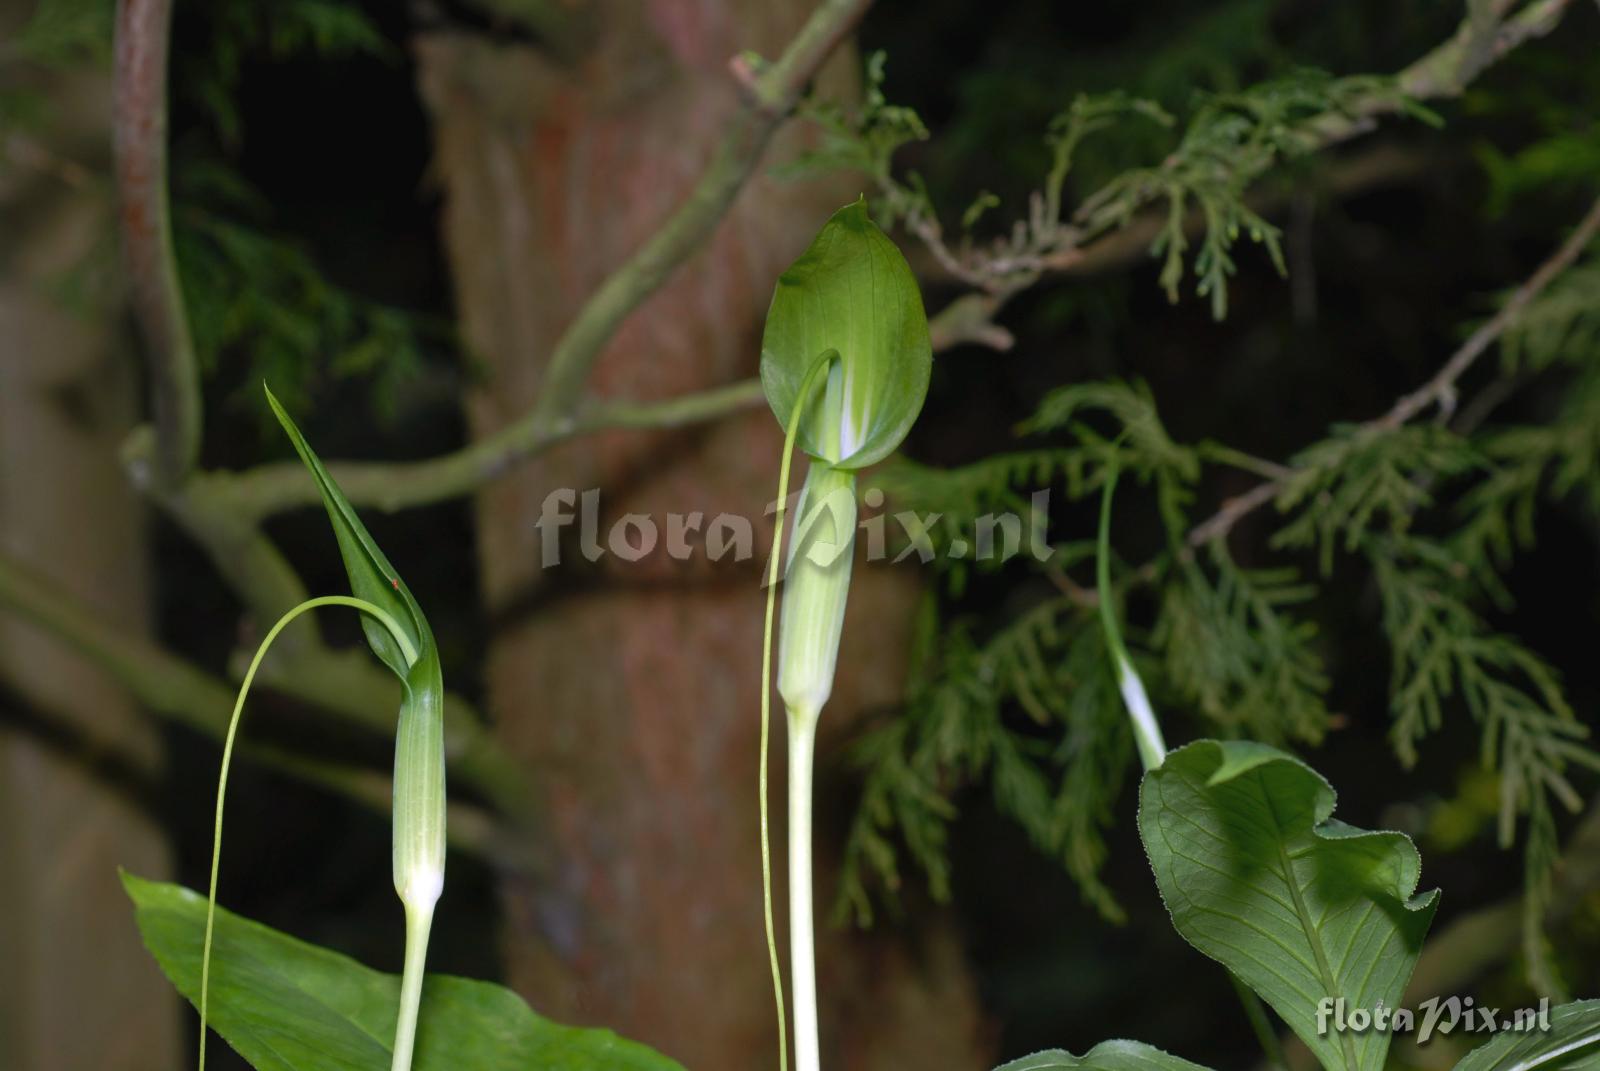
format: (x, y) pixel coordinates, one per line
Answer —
(802, 943)
(410, 652)
(1147, 731)
(419, 920)
(1256, 1013)
(793, 430)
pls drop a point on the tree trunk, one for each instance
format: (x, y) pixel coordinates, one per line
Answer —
(77, 989)
(630, 689)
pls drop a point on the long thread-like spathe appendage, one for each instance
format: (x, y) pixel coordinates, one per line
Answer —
(227, 759)
(793, 429)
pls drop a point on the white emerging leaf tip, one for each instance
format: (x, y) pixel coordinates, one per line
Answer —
(1139, 709)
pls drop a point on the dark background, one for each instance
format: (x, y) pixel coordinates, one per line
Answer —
(337, 148)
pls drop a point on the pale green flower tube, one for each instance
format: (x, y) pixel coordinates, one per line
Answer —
(419, 793)
(419, 834)
(815, 591)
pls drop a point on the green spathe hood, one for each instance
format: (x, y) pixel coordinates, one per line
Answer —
(851, 292)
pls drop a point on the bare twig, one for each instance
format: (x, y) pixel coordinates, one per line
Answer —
(140, 149)
(1220, 523)
(1440, 390)
(669, 413)
(303, 666)
(189, 696)
(352, 686)
(1042, 244)
(1075, 593)
(770, 93)
(269, 489)
(1448, 69)
(970, 317)
(1227, 455)
(770, 96)
(221, 512)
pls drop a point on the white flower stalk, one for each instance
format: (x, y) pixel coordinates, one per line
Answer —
(816, 588)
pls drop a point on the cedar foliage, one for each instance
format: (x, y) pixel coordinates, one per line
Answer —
(1431, 514)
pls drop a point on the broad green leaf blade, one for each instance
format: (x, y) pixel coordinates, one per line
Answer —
(1106, 1056)
(1571, 1044)
(852, 292)
(371, 576)
(1302, 908)
(285, 1005)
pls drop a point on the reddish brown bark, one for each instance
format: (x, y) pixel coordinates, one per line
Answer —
(631, 689)
(77, 988)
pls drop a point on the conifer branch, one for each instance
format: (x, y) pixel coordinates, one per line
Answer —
(1440, 390)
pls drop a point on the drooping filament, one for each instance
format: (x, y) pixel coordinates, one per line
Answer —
(796, 415)
(410, 652)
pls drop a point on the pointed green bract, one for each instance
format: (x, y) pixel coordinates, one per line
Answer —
(1258, 876)
(419, 788)
(371, 576)
(851, 291)
(1571, 1044)
(1106, 1056)
(285, 1005)
(419, 836)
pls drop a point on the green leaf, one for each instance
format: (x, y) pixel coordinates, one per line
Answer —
(285, 1005)
(1303, 908)
(851, 292)
(1571, 1044)
(1106, 1056)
